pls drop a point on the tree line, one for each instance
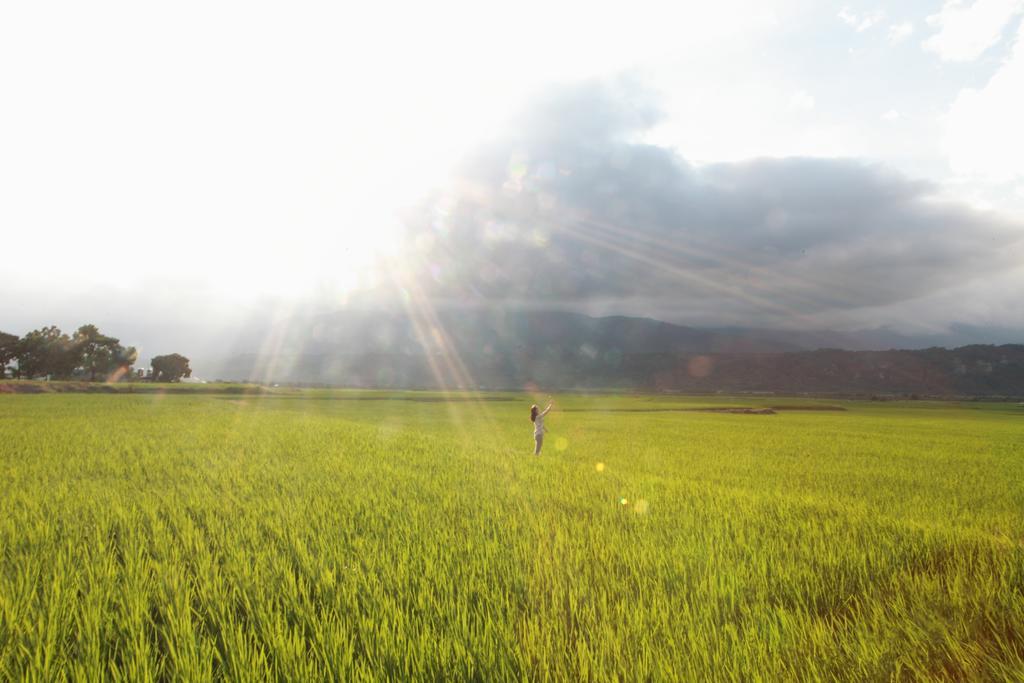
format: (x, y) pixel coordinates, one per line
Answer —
(87, 354)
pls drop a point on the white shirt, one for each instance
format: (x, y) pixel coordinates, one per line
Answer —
(538, 425)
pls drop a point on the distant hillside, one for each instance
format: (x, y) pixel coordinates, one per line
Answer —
(556, 350)
(502, 331)
(354, 332)
(340, 347)
(966, 371)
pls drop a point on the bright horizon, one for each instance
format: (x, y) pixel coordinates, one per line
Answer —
(185, 169)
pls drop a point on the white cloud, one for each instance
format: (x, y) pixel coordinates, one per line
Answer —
(292, 135)
(900, 32)
(983, 127)
(847, 16)
(630, 226)
(891, 115)
(967, 31)
(802, 101)
(861, 22)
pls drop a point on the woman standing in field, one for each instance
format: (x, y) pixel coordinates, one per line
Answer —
(537, 418)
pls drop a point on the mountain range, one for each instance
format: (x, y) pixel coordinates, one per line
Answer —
(561, 350)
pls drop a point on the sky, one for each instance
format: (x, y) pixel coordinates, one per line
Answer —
(170, 172)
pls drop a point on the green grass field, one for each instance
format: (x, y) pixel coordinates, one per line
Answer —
(320, 535)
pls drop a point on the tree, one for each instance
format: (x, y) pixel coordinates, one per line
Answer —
(170, 368)
(8, 351)
(102, 355)
(98, 352)
(123, 360)
(47, 351)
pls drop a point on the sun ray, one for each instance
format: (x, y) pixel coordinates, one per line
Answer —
(616, 246)
(442, 355)
(802, 288)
